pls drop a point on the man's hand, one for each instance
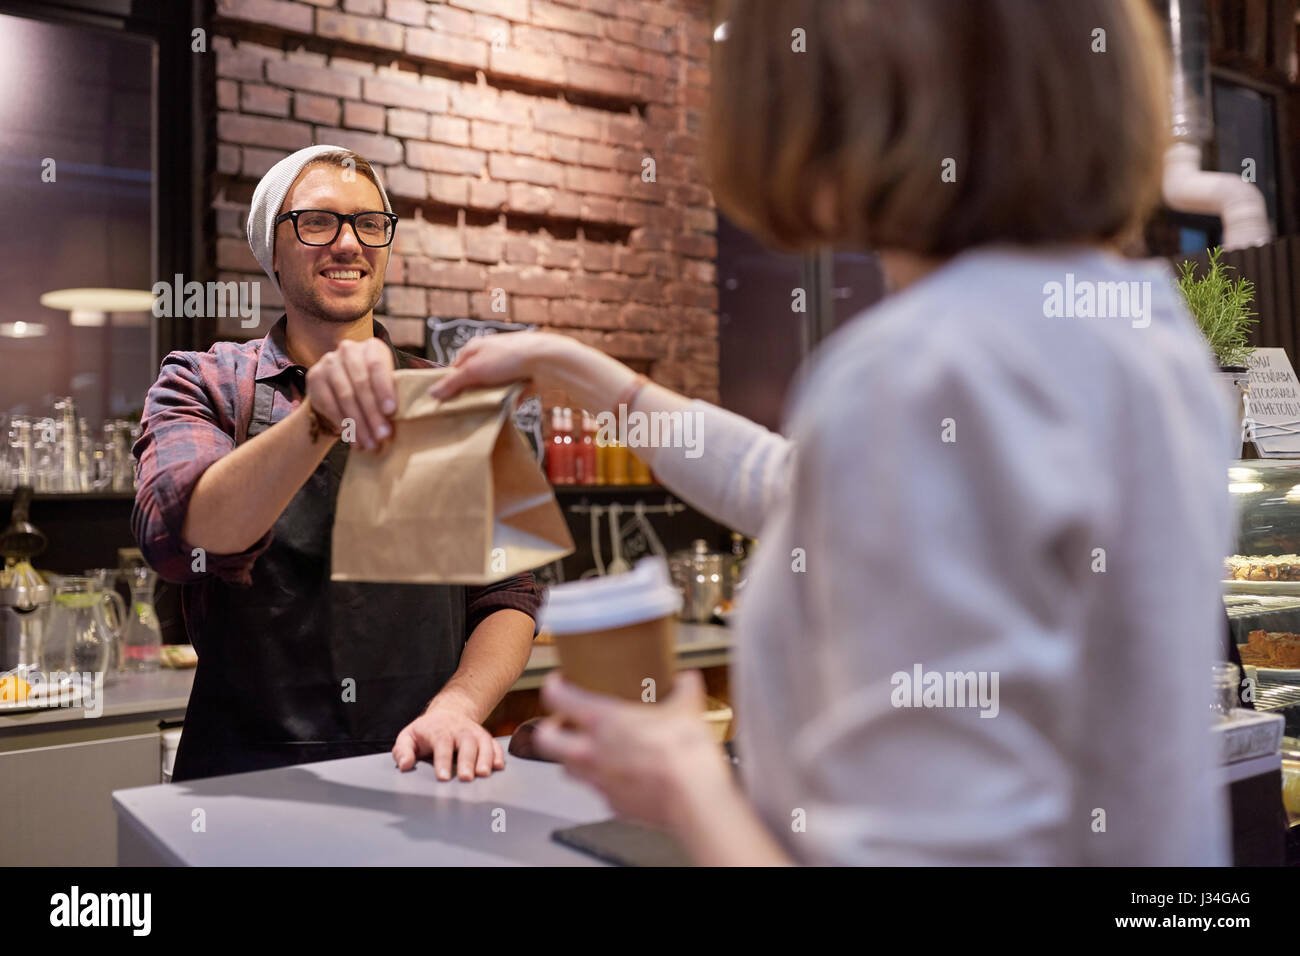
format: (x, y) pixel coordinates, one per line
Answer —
(355, 382)
(443, 730)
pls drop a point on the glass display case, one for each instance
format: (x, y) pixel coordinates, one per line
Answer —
(1262, 580)
(1267, 498)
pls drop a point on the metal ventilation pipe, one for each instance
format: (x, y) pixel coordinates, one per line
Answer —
(1187, 187)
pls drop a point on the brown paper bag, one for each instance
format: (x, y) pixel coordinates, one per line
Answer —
(455, 498)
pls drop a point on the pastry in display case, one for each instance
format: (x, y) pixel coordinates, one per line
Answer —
(1266, 630)
(1266, 494)
(1279, 650)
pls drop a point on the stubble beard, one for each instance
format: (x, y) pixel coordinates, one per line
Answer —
(312, 304)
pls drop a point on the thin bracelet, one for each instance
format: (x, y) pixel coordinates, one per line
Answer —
(317, 423)
(630, 393)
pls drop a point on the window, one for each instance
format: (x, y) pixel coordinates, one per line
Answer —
(76, 131)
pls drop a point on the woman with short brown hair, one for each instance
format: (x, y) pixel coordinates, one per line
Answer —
(935, 127)
(979, 625)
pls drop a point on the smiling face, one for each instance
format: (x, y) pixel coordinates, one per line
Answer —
(341, 282)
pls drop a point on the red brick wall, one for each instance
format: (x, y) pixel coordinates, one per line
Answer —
(511, 136)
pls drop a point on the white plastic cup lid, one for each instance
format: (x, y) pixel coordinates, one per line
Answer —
(616, 600)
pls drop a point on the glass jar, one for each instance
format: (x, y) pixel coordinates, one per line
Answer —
(1227, 687)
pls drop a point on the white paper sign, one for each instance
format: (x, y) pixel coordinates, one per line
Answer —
(1274, 407)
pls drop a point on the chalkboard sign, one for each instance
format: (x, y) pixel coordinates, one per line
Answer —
(444, 338)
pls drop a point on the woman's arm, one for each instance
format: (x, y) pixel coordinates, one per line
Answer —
(732, 469)
(719, 827)
(726, 466)
(661, 765)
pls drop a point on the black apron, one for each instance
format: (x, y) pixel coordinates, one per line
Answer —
(300, 668)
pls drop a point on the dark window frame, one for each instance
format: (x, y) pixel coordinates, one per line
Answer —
(1288, 218)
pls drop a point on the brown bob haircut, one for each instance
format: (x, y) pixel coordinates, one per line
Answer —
(1052, 142)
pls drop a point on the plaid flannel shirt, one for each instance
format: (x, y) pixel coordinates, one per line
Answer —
(197, 411)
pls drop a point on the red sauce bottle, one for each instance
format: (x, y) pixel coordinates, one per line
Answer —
(555, 449)
(584, 462)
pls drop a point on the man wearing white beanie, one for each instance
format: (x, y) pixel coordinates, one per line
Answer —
(239, 468)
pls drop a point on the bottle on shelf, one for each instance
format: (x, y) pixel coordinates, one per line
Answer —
(569, 469)
(584, 462)
(556, 451)
(638, 470)
(618, 464)
(602, 460)
(736, 568)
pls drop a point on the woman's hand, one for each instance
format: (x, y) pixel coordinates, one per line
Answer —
(657, 763)
(588, 376)
(499, 359)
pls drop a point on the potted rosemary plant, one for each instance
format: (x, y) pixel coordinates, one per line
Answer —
(1221, 306)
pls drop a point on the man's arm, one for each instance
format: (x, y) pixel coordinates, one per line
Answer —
(240, 496)
(197, 491)
(494, 657)
(190, 420)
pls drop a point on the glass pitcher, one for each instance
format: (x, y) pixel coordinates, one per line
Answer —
(141, 637)
(106, 579)
(80, 637)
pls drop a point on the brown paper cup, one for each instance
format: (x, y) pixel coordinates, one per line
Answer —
(622, 661)
(616, 635)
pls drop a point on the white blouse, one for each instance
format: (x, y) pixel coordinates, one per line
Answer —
(985, 490)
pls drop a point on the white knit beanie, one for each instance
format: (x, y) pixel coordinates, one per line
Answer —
(269, 196)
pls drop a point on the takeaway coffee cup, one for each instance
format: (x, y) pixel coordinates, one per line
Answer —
(616, 634)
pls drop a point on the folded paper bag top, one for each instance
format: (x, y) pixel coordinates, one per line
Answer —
(455, 498)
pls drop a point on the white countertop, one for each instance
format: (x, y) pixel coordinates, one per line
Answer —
(359, 811)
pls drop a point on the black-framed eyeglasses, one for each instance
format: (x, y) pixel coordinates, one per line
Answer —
(320, 227)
